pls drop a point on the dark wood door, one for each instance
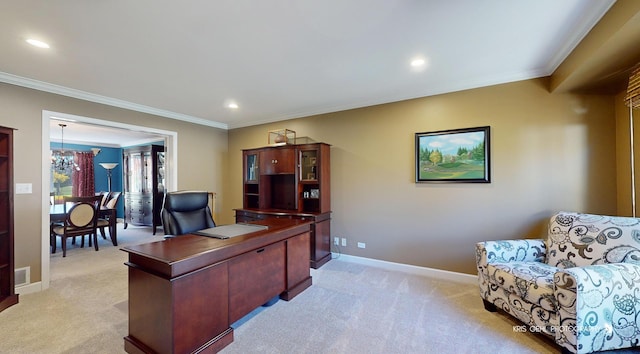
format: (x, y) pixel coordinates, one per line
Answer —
(278, 161)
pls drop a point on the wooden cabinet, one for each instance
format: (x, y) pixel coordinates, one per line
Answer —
(280, 160)
(8, 297)
(290, 181)
(143, 185)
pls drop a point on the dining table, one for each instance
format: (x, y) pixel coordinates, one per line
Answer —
(57, 213)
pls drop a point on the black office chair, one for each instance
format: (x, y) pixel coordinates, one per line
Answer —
(184, 212)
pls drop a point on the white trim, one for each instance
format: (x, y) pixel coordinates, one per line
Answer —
(427, 92)
(587, 22)
(91, 97)
(171, 157)
(45, 277)
(30, 288)
(411, 269)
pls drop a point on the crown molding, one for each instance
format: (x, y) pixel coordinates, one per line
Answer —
(586, 23)
(86, 96)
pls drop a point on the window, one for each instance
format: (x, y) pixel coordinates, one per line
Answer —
(61, 175)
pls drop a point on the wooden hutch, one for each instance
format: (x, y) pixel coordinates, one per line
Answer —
(290, 181)
(143, 185)
(8, 297)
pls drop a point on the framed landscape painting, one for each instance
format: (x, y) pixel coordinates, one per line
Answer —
(458, 155)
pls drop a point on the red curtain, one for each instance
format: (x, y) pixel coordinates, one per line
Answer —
(83, 176)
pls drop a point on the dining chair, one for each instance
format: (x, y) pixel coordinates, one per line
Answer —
(109, 221)
(81, 219)
(104, 196)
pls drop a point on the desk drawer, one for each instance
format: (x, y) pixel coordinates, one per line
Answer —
(140, 218)
(254, 278)
(243, 216)
(139, 210)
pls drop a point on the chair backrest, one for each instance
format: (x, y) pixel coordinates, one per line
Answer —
(578, 240)
(186, 211)
(104, 195)
(113, 200)
(83, 213)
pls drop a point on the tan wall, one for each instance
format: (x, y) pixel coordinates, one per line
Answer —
(549, 152)
(202, 153)
(623, 156)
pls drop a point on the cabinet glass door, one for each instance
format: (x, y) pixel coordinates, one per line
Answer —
(309, 165)
(160, 171)
(147, 171)
(135, 172)
(252, 168)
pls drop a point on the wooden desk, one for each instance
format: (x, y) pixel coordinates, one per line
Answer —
(185, 292)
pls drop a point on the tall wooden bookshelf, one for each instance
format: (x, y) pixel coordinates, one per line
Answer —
(8, 297)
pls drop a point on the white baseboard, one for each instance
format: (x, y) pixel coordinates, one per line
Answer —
(411, 269)
(29, 288)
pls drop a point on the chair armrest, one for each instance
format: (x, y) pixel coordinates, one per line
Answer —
(505, 251)
(598, 306)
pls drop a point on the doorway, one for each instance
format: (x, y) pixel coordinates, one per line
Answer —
(171, 173)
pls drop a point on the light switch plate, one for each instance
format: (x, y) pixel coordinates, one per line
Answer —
(24, 188)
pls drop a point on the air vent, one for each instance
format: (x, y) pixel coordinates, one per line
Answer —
(23, 276)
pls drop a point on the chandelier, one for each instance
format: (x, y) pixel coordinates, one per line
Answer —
(61, 160)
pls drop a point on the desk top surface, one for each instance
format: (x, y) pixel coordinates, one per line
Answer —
(174, 256)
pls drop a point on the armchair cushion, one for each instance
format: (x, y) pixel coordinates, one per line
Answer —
(532, 281)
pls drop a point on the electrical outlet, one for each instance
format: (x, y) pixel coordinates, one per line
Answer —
(336, 241)
(344, 242)
(362, 245)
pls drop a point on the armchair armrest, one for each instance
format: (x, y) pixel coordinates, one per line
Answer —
(598, 307)
(505, 251)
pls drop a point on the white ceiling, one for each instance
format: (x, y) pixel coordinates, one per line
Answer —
(281, 59)
(83, 133)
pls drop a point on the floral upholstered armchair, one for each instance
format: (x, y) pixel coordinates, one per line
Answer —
(580, 286)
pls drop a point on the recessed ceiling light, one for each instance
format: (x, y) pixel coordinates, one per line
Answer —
(37, 43)
(232, 105)
(418, 62)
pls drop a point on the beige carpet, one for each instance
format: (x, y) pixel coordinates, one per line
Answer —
(350, 308)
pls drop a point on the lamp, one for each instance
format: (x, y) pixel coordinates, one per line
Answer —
(109, 166)
(95, 151)
(63, 160)
(632, 99)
